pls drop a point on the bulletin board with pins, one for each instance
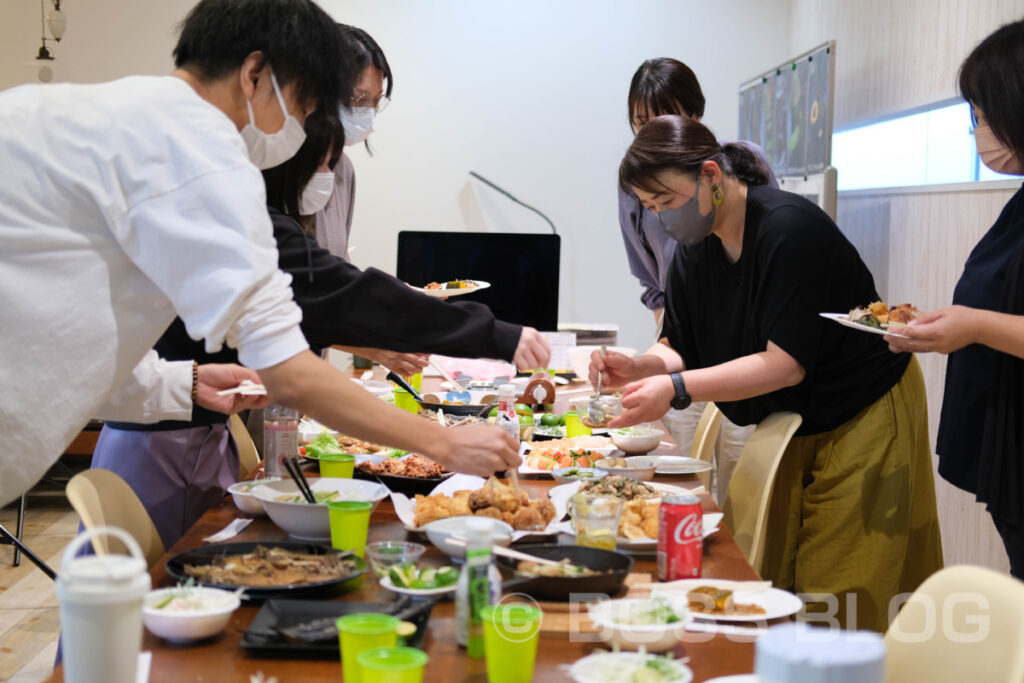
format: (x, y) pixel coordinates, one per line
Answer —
(788, 112)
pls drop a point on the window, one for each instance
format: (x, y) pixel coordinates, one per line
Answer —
(924, 148)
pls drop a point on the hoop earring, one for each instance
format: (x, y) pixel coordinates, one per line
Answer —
(716, 195)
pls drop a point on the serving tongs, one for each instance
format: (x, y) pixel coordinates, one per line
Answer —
(295, 472)
(393, 376)
(595, 411)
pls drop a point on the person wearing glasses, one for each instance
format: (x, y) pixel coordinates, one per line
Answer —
(981, 432)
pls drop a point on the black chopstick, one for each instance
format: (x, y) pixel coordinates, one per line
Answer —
(299, 478)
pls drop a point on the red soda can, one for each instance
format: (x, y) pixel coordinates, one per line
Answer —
(680, 537)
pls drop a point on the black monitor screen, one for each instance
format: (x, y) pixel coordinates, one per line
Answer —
(522, 270)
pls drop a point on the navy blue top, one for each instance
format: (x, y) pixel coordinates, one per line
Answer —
(969, 370)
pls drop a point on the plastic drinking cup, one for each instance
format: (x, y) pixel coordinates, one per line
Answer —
(360, 632)
(350, 521)
(405, 401)
(415, 381)
(511, 632)
(339, 465)
(392, 665)
(573, 425)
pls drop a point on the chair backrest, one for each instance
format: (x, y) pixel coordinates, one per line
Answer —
(705, 436)
(750, 489)
(102, 498)
(962, 624)
(248, 457)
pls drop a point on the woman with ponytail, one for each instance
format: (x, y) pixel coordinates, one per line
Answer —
(853, 521)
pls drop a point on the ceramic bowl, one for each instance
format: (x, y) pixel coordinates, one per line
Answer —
(449, 534)
(188, 625)
(310, 522)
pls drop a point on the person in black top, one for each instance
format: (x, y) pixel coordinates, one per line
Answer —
(853, 519)
(981, 429)
(179, 469)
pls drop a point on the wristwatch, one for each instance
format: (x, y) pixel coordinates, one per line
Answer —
(681, 400)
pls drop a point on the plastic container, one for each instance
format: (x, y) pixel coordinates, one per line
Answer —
(100, 600)
(479, 585)
(508, 418)
(392, 665)
(360, 632)
(280, 438)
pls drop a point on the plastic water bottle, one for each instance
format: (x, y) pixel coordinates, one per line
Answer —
(508, 418)
(479, 585)
(280, 438)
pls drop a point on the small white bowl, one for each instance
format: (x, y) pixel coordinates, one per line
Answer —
(608, 616)
(641, 471)
(310, 522)
(447, 533)
(187, 626)
(636, 440)
(561, 476)
(241, 493)
(594, 667)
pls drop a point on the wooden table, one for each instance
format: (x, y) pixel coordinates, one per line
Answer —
(223, 660)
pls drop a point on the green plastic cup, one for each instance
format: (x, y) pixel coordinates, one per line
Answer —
(574, 426)
(340, 465)
(511, 632)
(360, 632)
(392, 665)
(405, 401)
(350, 521)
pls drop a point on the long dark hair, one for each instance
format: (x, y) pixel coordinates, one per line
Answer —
(286, 182)
(665, 86)
(992, 79)
(364, 51)
(679, 143)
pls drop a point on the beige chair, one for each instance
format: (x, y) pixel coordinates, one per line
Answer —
(705, 436)
(750, 490)
(962, 624)
(248, 457)
(102, 498)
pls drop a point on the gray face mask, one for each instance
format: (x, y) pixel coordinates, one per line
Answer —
(686, 224)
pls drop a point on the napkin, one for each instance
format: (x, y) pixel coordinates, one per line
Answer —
(229, 531)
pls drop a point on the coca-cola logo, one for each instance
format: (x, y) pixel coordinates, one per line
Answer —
(689, 528)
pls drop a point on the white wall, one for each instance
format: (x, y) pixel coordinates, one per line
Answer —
(532, 94)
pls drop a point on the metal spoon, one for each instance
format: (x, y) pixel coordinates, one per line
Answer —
(594, 411)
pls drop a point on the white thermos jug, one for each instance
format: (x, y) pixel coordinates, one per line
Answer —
(100, 600)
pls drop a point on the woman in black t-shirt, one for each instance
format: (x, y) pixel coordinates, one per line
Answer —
(853, 508)
(981, 429)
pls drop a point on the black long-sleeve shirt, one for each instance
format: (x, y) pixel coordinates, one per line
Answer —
(343, 305)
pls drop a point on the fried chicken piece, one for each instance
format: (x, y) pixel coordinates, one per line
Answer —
(460, 504)
(506, 500)
(527, 517)
(507, 517)
(631, 531)
(630, 517)
(492, 512)
(430, 508)
(481, 498)
(546, 509)
(902, 314)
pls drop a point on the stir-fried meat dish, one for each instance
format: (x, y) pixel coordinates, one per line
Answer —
(272, 567)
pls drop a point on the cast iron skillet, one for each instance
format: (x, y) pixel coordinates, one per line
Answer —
(613, 568)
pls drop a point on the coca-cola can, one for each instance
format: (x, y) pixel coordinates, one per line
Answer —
(680, 538)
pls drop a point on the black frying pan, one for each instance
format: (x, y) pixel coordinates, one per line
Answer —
(431, 402)
(613, 568)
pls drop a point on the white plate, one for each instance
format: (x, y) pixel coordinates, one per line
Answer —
(739, 678)
(844, 319)
(420, 592)
(679, 464)
(454, 292)
(405, 507)
(605, 452)
(647, 545)
(560, 495)
(776, 603)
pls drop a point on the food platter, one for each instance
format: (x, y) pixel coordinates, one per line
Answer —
(678, 464)
(442, 292)
(642, 546)
(400, 483)
(207, 554)
(844, 319)
(776, 603)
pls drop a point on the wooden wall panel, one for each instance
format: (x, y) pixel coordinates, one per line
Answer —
(916, 245)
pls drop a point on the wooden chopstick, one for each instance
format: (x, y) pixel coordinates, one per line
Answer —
(451, 380)
(299, 478)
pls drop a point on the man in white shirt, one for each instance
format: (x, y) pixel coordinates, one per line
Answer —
(123, 204)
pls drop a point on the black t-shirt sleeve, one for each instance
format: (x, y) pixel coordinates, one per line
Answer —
(678, 322)
(794, 261)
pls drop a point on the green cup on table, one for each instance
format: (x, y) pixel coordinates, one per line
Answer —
(360, 632)
(405, 401)
(574, 426)
(511, 632)
(350, 522)
(340, 465)
(392, 665)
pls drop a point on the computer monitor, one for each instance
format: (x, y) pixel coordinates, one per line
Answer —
(522, 269)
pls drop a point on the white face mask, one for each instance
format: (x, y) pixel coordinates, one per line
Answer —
(267, 150)
(316, 193)
(357, 122)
